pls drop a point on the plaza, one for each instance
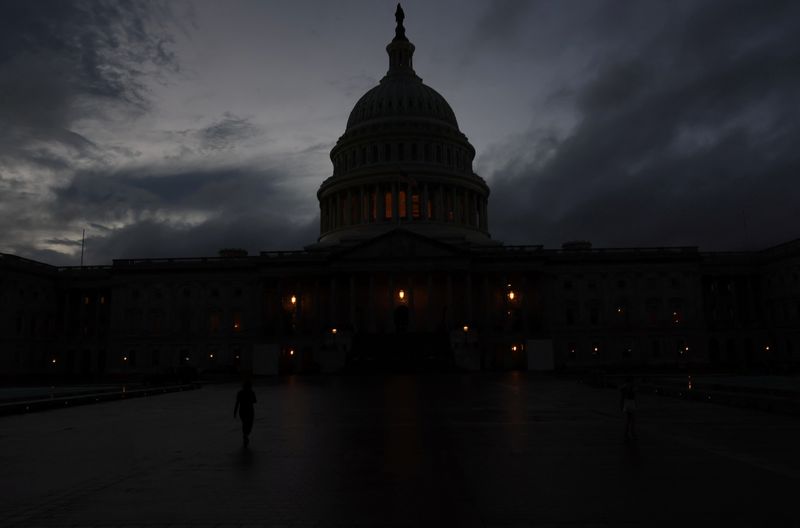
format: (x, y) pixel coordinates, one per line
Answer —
(478, 450)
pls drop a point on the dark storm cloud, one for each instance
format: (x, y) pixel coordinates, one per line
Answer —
(687, 137)
(184, 212)
(226, 132)
(60, 61)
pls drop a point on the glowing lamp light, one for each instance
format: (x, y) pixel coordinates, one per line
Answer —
(124, 358)
(291, 351)
(766, 348)
(186, 358)
(513, 348)
(401, 294)
(53, 361)
(293, 300)
(511, 295)
(619, 310)
(211, 356)
(333, 330)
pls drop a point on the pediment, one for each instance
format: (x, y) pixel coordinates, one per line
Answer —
(399, 244)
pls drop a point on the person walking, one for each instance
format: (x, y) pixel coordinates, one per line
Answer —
(245, 399)
(627, 402)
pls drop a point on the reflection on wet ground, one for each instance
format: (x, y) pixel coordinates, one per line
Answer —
(415, 450)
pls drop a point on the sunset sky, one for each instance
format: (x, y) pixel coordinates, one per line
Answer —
(182, 127)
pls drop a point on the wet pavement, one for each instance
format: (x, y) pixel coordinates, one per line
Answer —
(453, 450)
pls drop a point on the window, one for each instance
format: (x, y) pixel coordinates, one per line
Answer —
(570, 315)
(401, 204)
(414, 152)
(214, 322)
(656, 348)
(415, 205)
(387, 205)
(237, 321)
(387, 152)
(401, 152)
(594, 312)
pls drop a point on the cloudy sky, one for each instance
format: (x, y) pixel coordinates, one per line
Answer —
(179, 128)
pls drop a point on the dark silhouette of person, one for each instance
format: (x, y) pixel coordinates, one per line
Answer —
(245, 399)
(627, 402)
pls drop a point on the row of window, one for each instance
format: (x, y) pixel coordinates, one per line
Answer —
(650, 283)
(621, 312)
(187, 322)
(137, 294)
(453, 157)
(424, 202)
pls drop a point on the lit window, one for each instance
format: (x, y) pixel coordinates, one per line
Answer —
(401, 204)
(415, 205)
(387, 205)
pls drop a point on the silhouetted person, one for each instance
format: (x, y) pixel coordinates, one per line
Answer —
(627, 402)
(245, 399)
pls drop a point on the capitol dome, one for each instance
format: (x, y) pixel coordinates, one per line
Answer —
(403, 162)
(401, 98)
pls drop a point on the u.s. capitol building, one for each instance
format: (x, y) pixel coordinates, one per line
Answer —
(404, 275)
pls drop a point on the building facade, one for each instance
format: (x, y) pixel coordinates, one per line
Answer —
(403, 275)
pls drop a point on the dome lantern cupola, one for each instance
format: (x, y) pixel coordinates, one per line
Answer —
(400, 49)
(403, 162)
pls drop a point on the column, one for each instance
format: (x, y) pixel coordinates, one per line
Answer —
(411, 303)
(452, 191)
(380, 200)
(371, 302)
(352, 300)
(423, 202)
(449, 298)
(440, 214)
(468, 296)
(363, 217)
(409, 197)
(429, 310)
(395, 216)
(390, 314)
(333, 301)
